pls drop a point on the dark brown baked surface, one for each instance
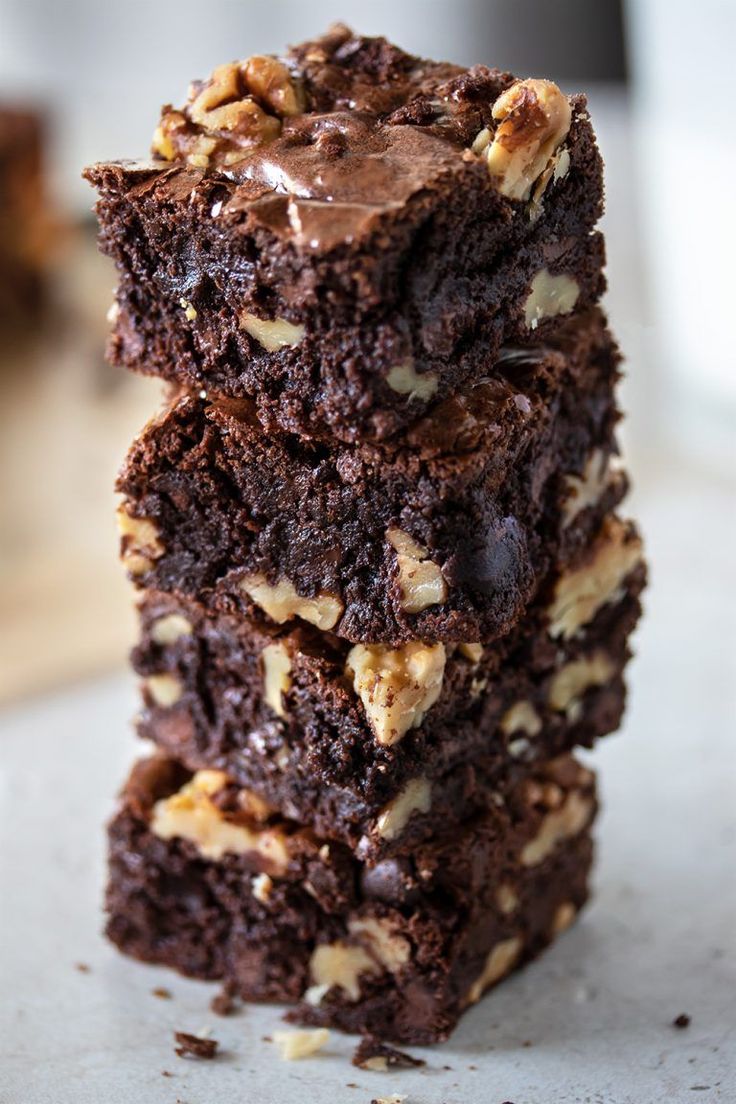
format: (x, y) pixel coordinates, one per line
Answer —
(399, 949)
(444, 536)
(351, 233)
(380, 748)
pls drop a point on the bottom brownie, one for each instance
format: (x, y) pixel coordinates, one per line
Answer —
(202, 879)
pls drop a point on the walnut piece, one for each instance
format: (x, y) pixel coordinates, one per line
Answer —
(564, 916)
(281, 602)
(473, 652)
(549, 296)
(276, 663)
(501, 959)
(241, 106)
(171, 627)
(561, 824)
(339, 965)
(300, 1044)
(190, 814)
(396, 686)
(580, 593)
(420, 580)
(533, 119)
(165, 689)
(507, 898)
(587, 489)
(140, 542)
(404, 380)
(521, 717)
(272, 334)
(415, 797)
(262, 887)
(381, 939)
(572, 680)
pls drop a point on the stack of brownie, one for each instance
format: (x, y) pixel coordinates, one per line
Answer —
(384, 591)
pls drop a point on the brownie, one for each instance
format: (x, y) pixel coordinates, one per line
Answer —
(23, 214)
(443, 536)
(348, 233)
(202, 881)
(378, 747)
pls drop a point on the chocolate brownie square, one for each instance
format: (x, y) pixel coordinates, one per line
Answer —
(380, 747)
(204, 881)
(349, 233)
(445, 535)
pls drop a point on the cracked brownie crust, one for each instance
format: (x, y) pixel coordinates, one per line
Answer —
(357, 245)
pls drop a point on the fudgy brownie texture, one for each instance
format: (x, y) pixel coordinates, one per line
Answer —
(444, 536)
(398, 949)
(382, 748)
(350, 233)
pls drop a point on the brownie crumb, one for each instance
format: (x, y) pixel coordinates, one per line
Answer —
(683, 1020)
(82, 967)
(166, 1073)
(222, 1004)
(192, 1046)
(161, 993)
(372, 1054)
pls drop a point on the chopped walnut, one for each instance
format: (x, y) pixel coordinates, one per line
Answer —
(190, 814)
(572, 680)
(281, 602)
(239, 107)
(381, 939)
(416, 797)
(501, 959)
(582, 592)
(340, 965)
(533, 119)
(396, 686)
(521, 717)
(404, 380)
(272, 334)
(420, 580)
(140, 540)
(587, 489)
(171, 627)
(165, 689)
(561, 824)
(549, 296)
(276, 663)
(564, 916)
(300, 1044)
(262, 887)
(507, 898)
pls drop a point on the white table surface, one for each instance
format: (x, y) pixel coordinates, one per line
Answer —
(597, 1010)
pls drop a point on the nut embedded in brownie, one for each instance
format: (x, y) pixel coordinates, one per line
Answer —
(443, 537)
(378, 747)
(349, 233)
(398, 949)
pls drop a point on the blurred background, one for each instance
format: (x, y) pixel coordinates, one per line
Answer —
(83, 81)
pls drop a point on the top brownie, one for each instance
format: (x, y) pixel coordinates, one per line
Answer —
(349, 233)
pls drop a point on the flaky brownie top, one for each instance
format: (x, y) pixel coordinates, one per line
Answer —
(346, 125)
